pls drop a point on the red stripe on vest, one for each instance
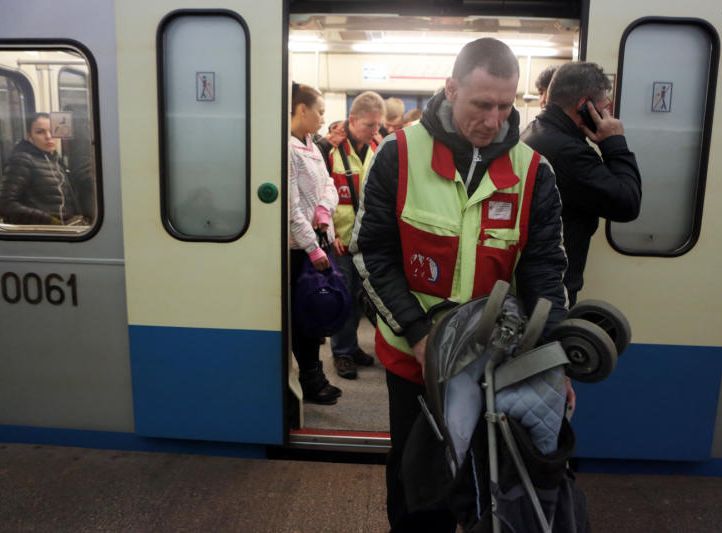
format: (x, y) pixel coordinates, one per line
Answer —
(442, 161)
(398, 362)
(501, 172)
(403, 172)
(526, 202)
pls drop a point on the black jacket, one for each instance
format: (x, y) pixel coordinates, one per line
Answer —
(591, 186)
(35, 188)
(376, 241)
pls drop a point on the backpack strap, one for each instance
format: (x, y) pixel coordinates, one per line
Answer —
(349, 177)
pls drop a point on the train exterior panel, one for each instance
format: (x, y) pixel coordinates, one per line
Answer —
(173, 326)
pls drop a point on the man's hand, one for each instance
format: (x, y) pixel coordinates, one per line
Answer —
(571, 398)
(607, 125)
(338, 247)
(420, 353)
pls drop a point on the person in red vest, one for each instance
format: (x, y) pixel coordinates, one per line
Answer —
(450, 206)
(348, 163)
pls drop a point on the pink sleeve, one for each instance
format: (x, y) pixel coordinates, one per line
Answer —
(322, 215)
(317, 254)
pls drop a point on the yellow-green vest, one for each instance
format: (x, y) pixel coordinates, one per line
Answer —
(344, 216)
(454, 247)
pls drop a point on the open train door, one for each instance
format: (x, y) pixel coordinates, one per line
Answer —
(202, 136)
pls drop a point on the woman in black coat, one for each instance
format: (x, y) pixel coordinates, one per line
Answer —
(35, 186)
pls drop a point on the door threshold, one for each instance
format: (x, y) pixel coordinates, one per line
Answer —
(340, 440)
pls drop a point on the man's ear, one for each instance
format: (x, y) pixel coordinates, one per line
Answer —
(581, 103)
(450, 89)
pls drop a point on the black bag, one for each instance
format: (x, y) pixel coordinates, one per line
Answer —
(321, 301)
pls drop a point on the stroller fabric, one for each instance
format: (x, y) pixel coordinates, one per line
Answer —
(453, 472)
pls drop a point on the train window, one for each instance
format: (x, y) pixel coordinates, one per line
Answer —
(204, 121)
(666, 105)
(48, 186)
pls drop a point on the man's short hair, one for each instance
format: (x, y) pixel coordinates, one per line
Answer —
(394, 109)
(544, 78)
(573, 81)
(367, 102)
(490, 54)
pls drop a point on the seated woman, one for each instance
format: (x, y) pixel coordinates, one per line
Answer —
(313, 199)
(35, 187)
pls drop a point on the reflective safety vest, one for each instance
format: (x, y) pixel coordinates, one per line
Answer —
(344, 216)
(454, 247)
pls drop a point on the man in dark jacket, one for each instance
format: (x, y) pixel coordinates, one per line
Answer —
(472, 125)
(591, 186)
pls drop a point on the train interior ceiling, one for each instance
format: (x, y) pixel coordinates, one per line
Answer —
(410, 56)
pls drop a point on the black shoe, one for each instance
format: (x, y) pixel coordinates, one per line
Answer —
(345, 367)
(362, 358)
(328, 395)
(316, 387)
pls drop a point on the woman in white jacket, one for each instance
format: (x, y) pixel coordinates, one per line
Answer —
(313, 199)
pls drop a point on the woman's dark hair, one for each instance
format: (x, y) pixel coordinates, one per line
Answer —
(31, 120)
(302, 94)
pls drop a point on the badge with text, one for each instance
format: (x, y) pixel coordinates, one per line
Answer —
(500, 210)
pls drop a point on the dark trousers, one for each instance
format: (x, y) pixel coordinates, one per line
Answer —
(305, 349)
(403, 409)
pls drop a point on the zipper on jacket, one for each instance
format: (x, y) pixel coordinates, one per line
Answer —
(61, 182)
(475, 158)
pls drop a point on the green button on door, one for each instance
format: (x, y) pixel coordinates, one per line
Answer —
(268, 193)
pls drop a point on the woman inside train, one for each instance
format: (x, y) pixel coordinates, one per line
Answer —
(313, 198)
(36, 187)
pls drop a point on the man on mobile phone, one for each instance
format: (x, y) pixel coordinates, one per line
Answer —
(591, 185)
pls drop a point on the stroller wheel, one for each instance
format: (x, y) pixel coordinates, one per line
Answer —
(534, 326)
(494, 304)
(591, 352)
(607, 317)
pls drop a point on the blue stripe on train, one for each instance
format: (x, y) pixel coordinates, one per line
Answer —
(208, 384)
(659, 403)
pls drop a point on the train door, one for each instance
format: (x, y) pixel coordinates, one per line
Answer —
(403, 54)
(202, 137)
(63, 322)
(662, 270)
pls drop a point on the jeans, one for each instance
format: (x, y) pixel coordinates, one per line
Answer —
(345, 341)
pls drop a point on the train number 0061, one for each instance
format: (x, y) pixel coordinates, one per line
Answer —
(33, 288)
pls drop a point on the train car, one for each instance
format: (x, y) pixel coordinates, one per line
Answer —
(156, 316)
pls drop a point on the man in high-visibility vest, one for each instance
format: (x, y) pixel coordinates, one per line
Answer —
(348, 164)
(449, 206)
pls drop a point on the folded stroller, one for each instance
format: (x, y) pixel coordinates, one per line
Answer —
(492, 443)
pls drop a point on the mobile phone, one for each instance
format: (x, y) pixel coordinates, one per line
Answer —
(587, 117)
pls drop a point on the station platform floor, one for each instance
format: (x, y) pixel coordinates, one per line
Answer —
(59, 489)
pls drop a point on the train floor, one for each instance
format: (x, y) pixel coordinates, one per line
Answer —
(364, 405)
(59, 489)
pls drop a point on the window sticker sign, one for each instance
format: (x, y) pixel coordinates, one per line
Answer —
(661, 97)
(205, 86)
(61, 125)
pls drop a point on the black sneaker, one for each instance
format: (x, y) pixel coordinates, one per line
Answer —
(345, 367)
(362, 358)
(327, 395)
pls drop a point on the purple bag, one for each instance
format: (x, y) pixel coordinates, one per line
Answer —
(321, 301)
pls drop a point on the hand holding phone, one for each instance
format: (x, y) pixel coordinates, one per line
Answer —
(587, 116)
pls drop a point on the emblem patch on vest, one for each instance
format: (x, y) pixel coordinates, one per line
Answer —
(344, 193)
(424, 267)
(500, 210)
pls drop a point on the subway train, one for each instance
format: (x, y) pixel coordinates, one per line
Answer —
(160, 319)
